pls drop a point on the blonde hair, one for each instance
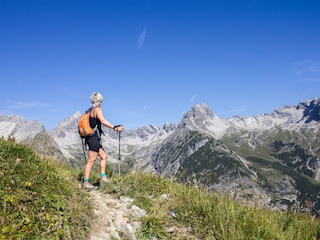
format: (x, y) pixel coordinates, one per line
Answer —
(96, 99)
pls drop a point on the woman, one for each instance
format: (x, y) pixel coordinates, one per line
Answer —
(94, 142)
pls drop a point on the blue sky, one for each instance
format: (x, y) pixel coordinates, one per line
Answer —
(153, 60)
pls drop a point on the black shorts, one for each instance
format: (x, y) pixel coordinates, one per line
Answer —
(94, 142)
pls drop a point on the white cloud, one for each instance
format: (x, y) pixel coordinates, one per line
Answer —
(193, 97)
(301, 62)
(25, 105)
(141, 38)
(307, 71)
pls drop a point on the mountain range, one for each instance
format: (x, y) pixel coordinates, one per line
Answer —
(270, 160)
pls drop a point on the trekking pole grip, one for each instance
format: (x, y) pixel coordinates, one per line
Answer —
(116, 126)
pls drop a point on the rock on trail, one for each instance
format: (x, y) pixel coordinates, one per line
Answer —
(115, 218)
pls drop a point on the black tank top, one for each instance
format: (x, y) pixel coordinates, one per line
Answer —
(94, 121)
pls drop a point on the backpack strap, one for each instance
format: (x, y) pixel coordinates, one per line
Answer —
(91, 111)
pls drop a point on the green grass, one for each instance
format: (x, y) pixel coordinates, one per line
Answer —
(40, 199)
(197, 214)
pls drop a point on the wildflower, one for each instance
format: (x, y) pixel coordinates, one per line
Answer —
(28, 184)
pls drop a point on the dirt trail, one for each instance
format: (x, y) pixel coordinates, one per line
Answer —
(113, 217)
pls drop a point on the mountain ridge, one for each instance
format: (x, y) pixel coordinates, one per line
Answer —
(280, 150)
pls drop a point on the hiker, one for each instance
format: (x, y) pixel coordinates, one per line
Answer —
(94, 142)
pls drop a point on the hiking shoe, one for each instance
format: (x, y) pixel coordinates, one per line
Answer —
(88, 186)
(104, 181)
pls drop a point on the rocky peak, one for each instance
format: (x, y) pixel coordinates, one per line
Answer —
(143, 132)
(168, 127)
(148, 130)
(312, 112)
(303, 104)
(18, 128)
(12, 118)
(199, 112)
(68, 122)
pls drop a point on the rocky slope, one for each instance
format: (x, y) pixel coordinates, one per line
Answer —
(31, 133)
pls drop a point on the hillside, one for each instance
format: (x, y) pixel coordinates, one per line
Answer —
(40, 199)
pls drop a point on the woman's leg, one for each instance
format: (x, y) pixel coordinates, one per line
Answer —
(92, 156)
(103, 160)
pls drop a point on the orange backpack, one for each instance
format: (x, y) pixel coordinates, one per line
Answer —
(84, 128)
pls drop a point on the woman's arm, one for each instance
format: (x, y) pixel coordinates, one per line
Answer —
(99, 115)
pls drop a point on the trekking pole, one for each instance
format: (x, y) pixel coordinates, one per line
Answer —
(83, 143)
(84, 151)
(119, 156)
